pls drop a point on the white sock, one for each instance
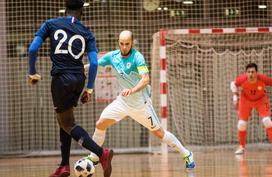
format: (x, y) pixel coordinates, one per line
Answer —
(99, 138)
(173, 142)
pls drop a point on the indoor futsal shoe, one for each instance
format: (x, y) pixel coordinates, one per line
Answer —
(105, 161)
(189, 161)
(240, 150)
(61, 171)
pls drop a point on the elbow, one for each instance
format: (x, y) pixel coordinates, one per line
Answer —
(94, 63)
(93, 59)
(93, 66)
(35, 45)
(32, 51)
(147, 81)
(147, 78)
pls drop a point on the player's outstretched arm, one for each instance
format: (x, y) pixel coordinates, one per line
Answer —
(91, 69)
(235, 98)
(32, 54)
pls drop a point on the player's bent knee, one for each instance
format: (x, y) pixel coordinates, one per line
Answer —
(100, 125)
(103, 124)
(66, 125)
(267, 122)
(159, 133)
(242, 125)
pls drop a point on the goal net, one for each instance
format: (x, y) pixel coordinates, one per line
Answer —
(200, 68)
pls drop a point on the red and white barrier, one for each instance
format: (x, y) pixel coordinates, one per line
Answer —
(222, 30)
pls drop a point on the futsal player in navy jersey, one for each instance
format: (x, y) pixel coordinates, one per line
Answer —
(69, 40)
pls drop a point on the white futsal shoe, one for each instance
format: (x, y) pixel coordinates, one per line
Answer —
(240, 150)
(189, 161)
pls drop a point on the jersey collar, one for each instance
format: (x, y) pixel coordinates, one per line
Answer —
(73, 19)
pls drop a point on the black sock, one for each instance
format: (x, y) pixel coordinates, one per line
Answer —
(83, 138)
(65, 140)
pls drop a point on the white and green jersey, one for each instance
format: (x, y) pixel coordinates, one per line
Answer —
(129, 71)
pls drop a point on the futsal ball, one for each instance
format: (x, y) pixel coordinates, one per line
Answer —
(84, 168)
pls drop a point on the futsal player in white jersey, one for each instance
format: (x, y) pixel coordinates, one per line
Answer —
(134, 100)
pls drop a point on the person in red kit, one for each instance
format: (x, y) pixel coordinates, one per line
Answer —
(253, 95)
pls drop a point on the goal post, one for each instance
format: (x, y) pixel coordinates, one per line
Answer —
(201, 63)
(163, 87)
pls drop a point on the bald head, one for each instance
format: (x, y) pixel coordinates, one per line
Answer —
(125, 42)
(125, 35)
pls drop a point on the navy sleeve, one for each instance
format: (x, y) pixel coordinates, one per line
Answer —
(91, 43)
(44, 30)
(92, 56)
(32, 53)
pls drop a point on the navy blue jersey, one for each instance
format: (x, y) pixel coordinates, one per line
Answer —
(69, 39)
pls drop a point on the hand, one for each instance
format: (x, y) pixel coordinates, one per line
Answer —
(34, 78)
(126, 92)
(86, 96)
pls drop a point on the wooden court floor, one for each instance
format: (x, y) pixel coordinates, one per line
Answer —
(213, 163)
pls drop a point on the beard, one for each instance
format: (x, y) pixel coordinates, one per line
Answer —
(126, 54)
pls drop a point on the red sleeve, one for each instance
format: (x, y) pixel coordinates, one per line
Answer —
(240, 79)
(267, 80)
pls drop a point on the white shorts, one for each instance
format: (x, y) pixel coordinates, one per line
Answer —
(146, 115)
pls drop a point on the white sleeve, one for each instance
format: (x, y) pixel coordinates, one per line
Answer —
(233, 87)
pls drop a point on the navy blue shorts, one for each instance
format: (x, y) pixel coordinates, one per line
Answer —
(66, 90)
